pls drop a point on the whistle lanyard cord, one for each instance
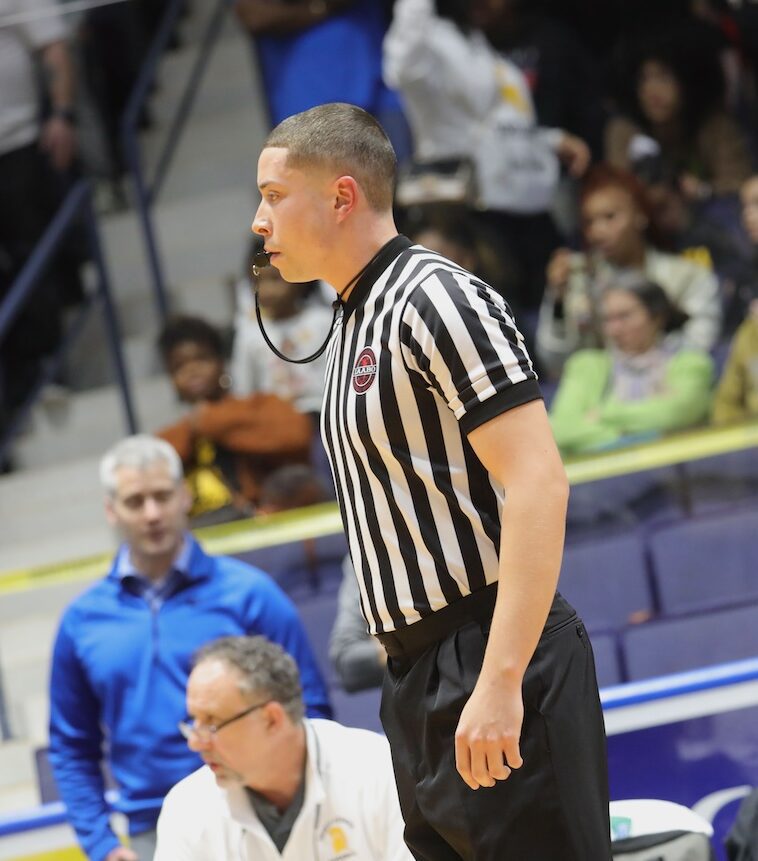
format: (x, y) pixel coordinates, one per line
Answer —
(337, 304)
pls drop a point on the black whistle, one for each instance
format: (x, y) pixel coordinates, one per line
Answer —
(261, 260)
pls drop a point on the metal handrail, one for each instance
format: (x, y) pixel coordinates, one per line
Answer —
(78, 203)
(146, 190)
(18, 295)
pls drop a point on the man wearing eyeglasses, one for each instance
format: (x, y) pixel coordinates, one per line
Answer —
(275, 785)
(124, 650)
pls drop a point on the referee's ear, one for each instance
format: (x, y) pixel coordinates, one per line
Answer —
(348, 196)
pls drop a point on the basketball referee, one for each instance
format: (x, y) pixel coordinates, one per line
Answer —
(453, 498)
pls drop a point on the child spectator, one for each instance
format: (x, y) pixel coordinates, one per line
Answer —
(736, 397)
(295, 326)
(228, 445)
(617, 231)
(641, 385)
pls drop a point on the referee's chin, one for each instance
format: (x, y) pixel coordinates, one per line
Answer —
(290, 272)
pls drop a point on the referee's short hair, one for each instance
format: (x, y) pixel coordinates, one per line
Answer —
(345, 138)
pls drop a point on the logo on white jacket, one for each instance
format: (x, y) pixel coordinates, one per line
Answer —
(336, 838)
(364, 371)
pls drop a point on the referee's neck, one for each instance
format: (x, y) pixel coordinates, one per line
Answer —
(360, 243)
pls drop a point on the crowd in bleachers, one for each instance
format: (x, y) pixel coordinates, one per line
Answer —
(604, 189)
(559, 156)
(603, 186)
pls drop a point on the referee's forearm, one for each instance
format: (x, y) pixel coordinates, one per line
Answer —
(530, 560)
(518, 450)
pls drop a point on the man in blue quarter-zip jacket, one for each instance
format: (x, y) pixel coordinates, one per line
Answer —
(124, 651)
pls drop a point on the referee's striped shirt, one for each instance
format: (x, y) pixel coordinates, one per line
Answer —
(423, 353)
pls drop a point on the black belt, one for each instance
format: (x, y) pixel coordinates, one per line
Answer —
(476, 607)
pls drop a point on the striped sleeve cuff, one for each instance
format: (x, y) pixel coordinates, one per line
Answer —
(504, 400)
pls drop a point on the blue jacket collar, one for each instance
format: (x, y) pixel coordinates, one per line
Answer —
(199, 563)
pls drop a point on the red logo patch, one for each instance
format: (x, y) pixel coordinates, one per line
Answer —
(364, 371)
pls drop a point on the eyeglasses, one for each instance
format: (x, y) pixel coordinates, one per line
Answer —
(205, 733)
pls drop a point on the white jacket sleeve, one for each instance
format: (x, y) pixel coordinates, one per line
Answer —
(241, 361)
(241, 366)
(556, 337)
(702, 302)
(425, 52)
(177, 840)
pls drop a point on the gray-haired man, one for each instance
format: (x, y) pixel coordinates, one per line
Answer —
(275, 785)
(124, 648)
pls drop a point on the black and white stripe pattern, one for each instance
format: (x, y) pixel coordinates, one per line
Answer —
(423, 354)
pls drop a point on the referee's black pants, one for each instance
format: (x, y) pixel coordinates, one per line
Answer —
(555, 807)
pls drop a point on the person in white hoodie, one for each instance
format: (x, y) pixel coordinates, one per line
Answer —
(466, 102)
(275, 785)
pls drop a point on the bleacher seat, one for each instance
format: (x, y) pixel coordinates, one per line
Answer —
(689, 642)
(722, 481)
(303, 567)
(622, 499)
(46, 785)
(360, 709)
(607, 666)
(318, 613)
(606, 579)
(706, 563)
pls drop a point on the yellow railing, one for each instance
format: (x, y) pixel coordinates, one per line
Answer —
(324, 519)
(670, 450)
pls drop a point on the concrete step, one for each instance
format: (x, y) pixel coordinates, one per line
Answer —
(51, 513)
(25, 652)
(84, 424)
(28, 641)
(18, 780)
(49, 600)
(16, 765)
(25, 687)
(34, 715)
(20, 796)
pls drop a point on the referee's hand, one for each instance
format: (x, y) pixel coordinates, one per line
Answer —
(487, 738)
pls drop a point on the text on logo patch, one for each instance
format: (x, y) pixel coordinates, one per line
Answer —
(364, 370)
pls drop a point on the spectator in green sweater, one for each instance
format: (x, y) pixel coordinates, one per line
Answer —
(641, 385)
